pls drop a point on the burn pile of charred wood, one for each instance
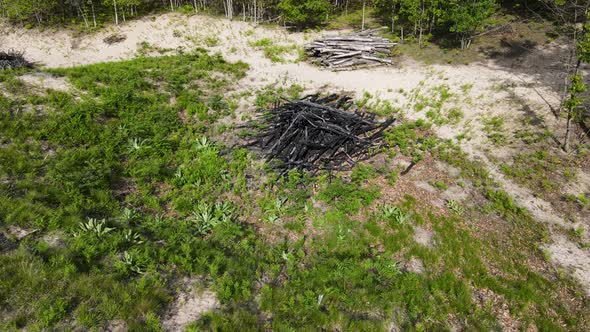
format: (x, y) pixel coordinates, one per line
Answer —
(316, 133)
(13, 60)
(361, 49)
(114, 38)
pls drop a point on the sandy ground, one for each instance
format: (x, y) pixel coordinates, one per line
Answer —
(188, 306)
(514, 89)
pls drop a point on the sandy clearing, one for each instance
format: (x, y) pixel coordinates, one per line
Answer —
(514, 89)
(423, 236)
(574, 259)
(46, 81)
(190, 310)
(415, 265)
(188, 306)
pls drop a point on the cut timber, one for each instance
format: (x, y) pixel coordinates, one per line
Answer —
(359, 49)
(346, 55)
(372, 58)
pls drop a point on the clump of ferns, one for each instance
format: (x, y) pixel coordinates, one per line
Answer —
(179, 176)
(132, 237)
(129, 263)
(277, 209)
(203, 143)
(128, 216)
(207, 216)
(136, 144)
(93, 227)
(455, 206)
(394, 214)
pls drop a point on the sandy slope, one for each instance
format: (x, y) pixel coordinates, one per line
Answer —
(513, 89)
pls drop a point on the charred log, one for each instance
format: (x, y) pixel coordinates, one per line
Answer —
(14, 60)
(316, 133)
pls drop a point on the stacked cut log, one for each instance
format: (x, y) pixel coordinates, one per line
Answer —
(361, 49)
(316, 133)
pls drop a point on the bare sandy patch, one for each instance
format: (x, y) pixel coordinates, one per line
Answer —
(45, 81)
(55, 240)
(423, 236)
(425, 185)
(414, 265)
(577, 261)
(456, 193)
(451, 170)
(581, 184)
(188, 306)
(19, 233)
(116, 326)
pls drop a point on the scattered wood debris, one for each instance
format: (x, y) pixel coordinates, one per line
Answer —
(114, 38)
(316, 133)
(361, 49)
(14, 60)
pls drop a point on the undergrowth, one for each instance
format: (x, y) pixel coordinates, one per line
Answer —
(128, 189)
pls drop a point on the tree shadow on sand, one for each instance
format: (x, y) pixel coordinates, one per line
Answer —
(509, 49)
(536, 65)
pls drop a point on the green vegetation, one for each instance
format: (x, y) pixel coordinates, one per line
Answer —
(440, 185)
(211, 41)
(582, 200)
(439, 104)
(494, 128)
(272, 51)
(537, 170)
(410, 139)
(455, 206)
(461, 17)
(97, 171)
(378, 106)
(128, 172)
(467, 17)
(271, 94)
(455, 21)
(304, 13)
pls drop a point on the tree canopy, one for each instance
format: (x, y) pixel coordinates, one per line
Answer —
(303, 13)
(419, 19)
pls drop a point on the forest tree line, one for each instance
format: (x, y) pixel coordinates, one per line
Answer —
(420, 17)
(459, 20)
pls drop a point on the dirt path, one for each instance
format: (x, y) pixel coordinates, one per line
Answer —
(495, 88)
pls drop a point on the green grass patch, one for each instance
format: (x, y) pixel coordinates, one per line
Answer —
(272, 51)
(540, 170)
(129, 175)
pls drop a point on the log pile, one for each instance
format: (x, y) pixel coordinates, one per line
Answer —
(316, 133)
(361, 49)
(13, 60)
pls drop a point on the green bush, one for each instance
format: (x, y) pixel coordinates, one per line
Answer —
(304, 13)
